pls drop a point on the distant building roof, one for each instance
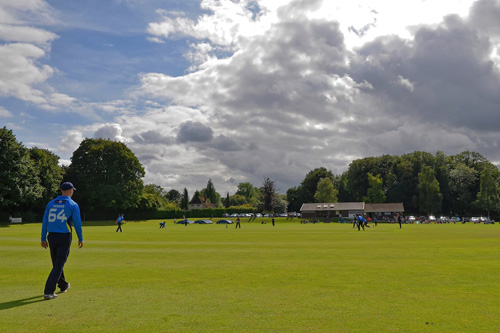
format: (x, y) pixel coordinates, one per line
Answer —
(336, 206)
(384, 207)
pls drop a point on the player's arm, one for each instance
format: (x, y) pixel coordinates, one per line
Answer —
(45, 220)
(77, 222)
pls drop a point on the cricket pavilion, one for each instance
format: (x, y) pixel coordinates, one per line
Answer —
(351, 209)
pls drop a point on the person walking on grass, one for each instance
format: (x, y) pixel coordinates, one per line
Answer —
(119, 221)
(238, 224)
(400, 220)
(60, 214)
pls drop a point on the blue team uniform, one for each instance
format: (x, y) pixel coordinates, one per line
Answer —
(60, 215)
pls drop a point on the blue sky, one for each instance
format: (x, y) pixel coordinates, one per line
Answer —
(239, 90)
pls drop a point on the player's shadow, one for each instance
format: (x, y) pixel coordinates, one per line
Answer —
(20, 302)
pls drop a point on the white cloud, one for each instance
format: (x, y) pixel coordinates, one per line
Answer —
(4, 113)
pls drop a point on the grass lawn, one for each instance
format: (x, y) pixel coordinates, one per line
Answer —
(288, 278)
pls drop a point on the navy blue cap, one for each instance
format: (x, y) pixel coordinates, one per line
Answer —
(67, 186)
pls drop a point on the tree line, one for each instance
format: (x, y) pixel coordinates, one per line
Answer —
(109, 181)
(465, 184)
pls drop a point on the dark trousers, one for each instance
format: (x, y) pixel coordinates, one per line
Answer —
(361, 225)
(119, 227)
(59, 245)
(238, 225)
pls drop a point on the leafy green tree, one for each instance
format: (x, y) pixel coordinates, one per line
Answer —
(488, 197)
(152, 198)
(428, 190)
(237, 200)
(19, 182)
(106, 174)
(185, 199)
(375, 193)
(325, 191)
(227, 203)
(173, 195)
(49, 173)
(268, 191)
(211, 194)
(309, 185)
(251, 193)
(292, 196)
(280, 203)
(462, 184)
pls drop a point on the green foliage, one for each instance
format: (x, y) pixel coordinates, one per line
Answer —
(19, 178)
(375, 193)
(268, 191)
(211, 194)
(326, 192)
(185, 199)
(237, 200)
(107, 175)
(428, 191)
(49, 173)
(152, 198)
(251, 193)
(173, 195)
(488, 197)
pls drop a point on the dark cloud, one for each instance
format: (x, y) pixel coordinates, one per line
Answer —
(194, 132)
(485, 16)
(153, 137)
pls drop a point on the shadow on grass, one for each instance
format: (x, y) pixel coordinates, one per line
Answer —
(21, 302)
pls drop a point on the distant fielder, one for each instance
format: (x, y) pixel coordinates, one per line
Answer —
(119, 221)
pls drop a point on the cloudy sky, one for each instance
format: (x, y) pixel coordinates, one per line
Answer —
(239, 90)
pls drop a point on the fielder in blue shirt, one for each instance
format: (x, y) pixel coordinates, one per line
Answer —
(119, 221)
(60, 216)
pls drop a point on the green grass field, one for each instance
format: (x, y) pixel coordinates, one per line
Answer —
(288, 278)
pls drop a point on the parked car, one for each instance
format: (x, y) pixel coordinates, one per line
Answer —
(431, 218)
(184, 222)
(474, 219)
(234, 215)
(224, 222)
(411, 218)
(225, 215)
(203, 222)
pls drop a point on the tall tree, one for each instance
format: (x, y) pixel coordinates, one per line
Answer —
(211, 194)
(268, 191)
(19, 183)
(428, 191)
(106, 174)
(185, 199)
(226, 202)
(488, 197)
(326, 192)
(375, 193)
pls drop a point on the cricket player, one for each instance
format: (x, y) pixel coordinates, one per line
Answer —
(119, 221)
(58, 218)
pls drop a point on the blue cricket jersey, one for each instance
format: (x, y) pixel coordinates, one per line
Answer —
(59, 215)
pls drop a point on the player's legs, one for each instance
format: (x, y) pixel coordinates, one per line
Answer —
(59, 250)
